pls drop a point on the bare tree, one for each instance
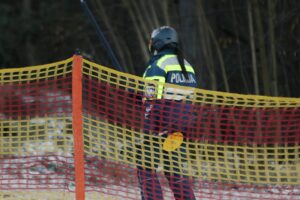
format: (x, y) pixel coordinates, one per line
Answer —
(271, 17)
(262, 50)
(26, 15)
(253, 54)
(234, 45)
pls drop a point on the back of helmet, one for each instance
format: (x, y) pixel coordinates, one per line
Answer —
(161, 37)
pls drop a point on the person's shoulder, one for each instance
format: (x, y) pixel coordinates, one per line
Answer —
(186, 63)
(155, 59)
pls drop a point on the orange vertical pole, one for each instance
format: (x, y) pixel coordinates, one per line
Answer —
(78, 127)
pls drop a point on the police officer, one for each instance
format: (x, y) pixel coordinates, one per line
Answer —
(165, 113)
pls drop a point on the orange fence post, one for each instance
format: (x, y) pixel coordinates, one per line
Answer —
(78, 127)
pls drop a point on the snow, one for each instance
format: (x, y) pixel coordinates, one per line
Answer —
(39, 174)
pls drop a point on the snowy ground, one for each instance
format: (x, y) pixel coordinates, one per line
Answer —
(40, 180)
(66, 195)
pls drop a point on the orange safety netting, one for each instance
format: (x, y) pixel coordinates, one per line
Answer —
(75, 129)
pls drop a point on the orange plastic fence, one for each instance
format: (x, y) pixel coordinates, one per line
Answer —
(77, 130)
(77, 126)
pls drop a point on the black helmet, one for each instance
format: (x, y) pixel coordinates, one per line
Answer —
(162, 36)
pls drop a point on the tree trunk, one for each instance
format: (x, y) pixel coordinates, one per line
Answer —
(252, 44)
(208, 69)
(262, 50)
(29, 47)
(118, 48)
(192, 37)
(241, 65)
(271, 15)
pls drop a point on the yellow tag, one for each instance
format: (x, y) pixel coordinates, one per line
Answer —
(173, 141)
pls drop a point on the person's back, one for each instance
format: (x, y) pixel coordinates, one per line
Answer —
(162, 102)
(167, 64)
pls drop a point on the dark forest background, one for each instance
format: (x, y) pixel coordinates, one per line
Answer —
(241, 46)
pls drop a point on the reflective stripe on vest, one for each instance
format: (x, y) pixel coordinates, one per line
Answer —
(170, 63)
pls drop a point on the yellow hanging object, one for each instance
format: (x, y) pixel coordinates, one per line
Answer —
(173, 141)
